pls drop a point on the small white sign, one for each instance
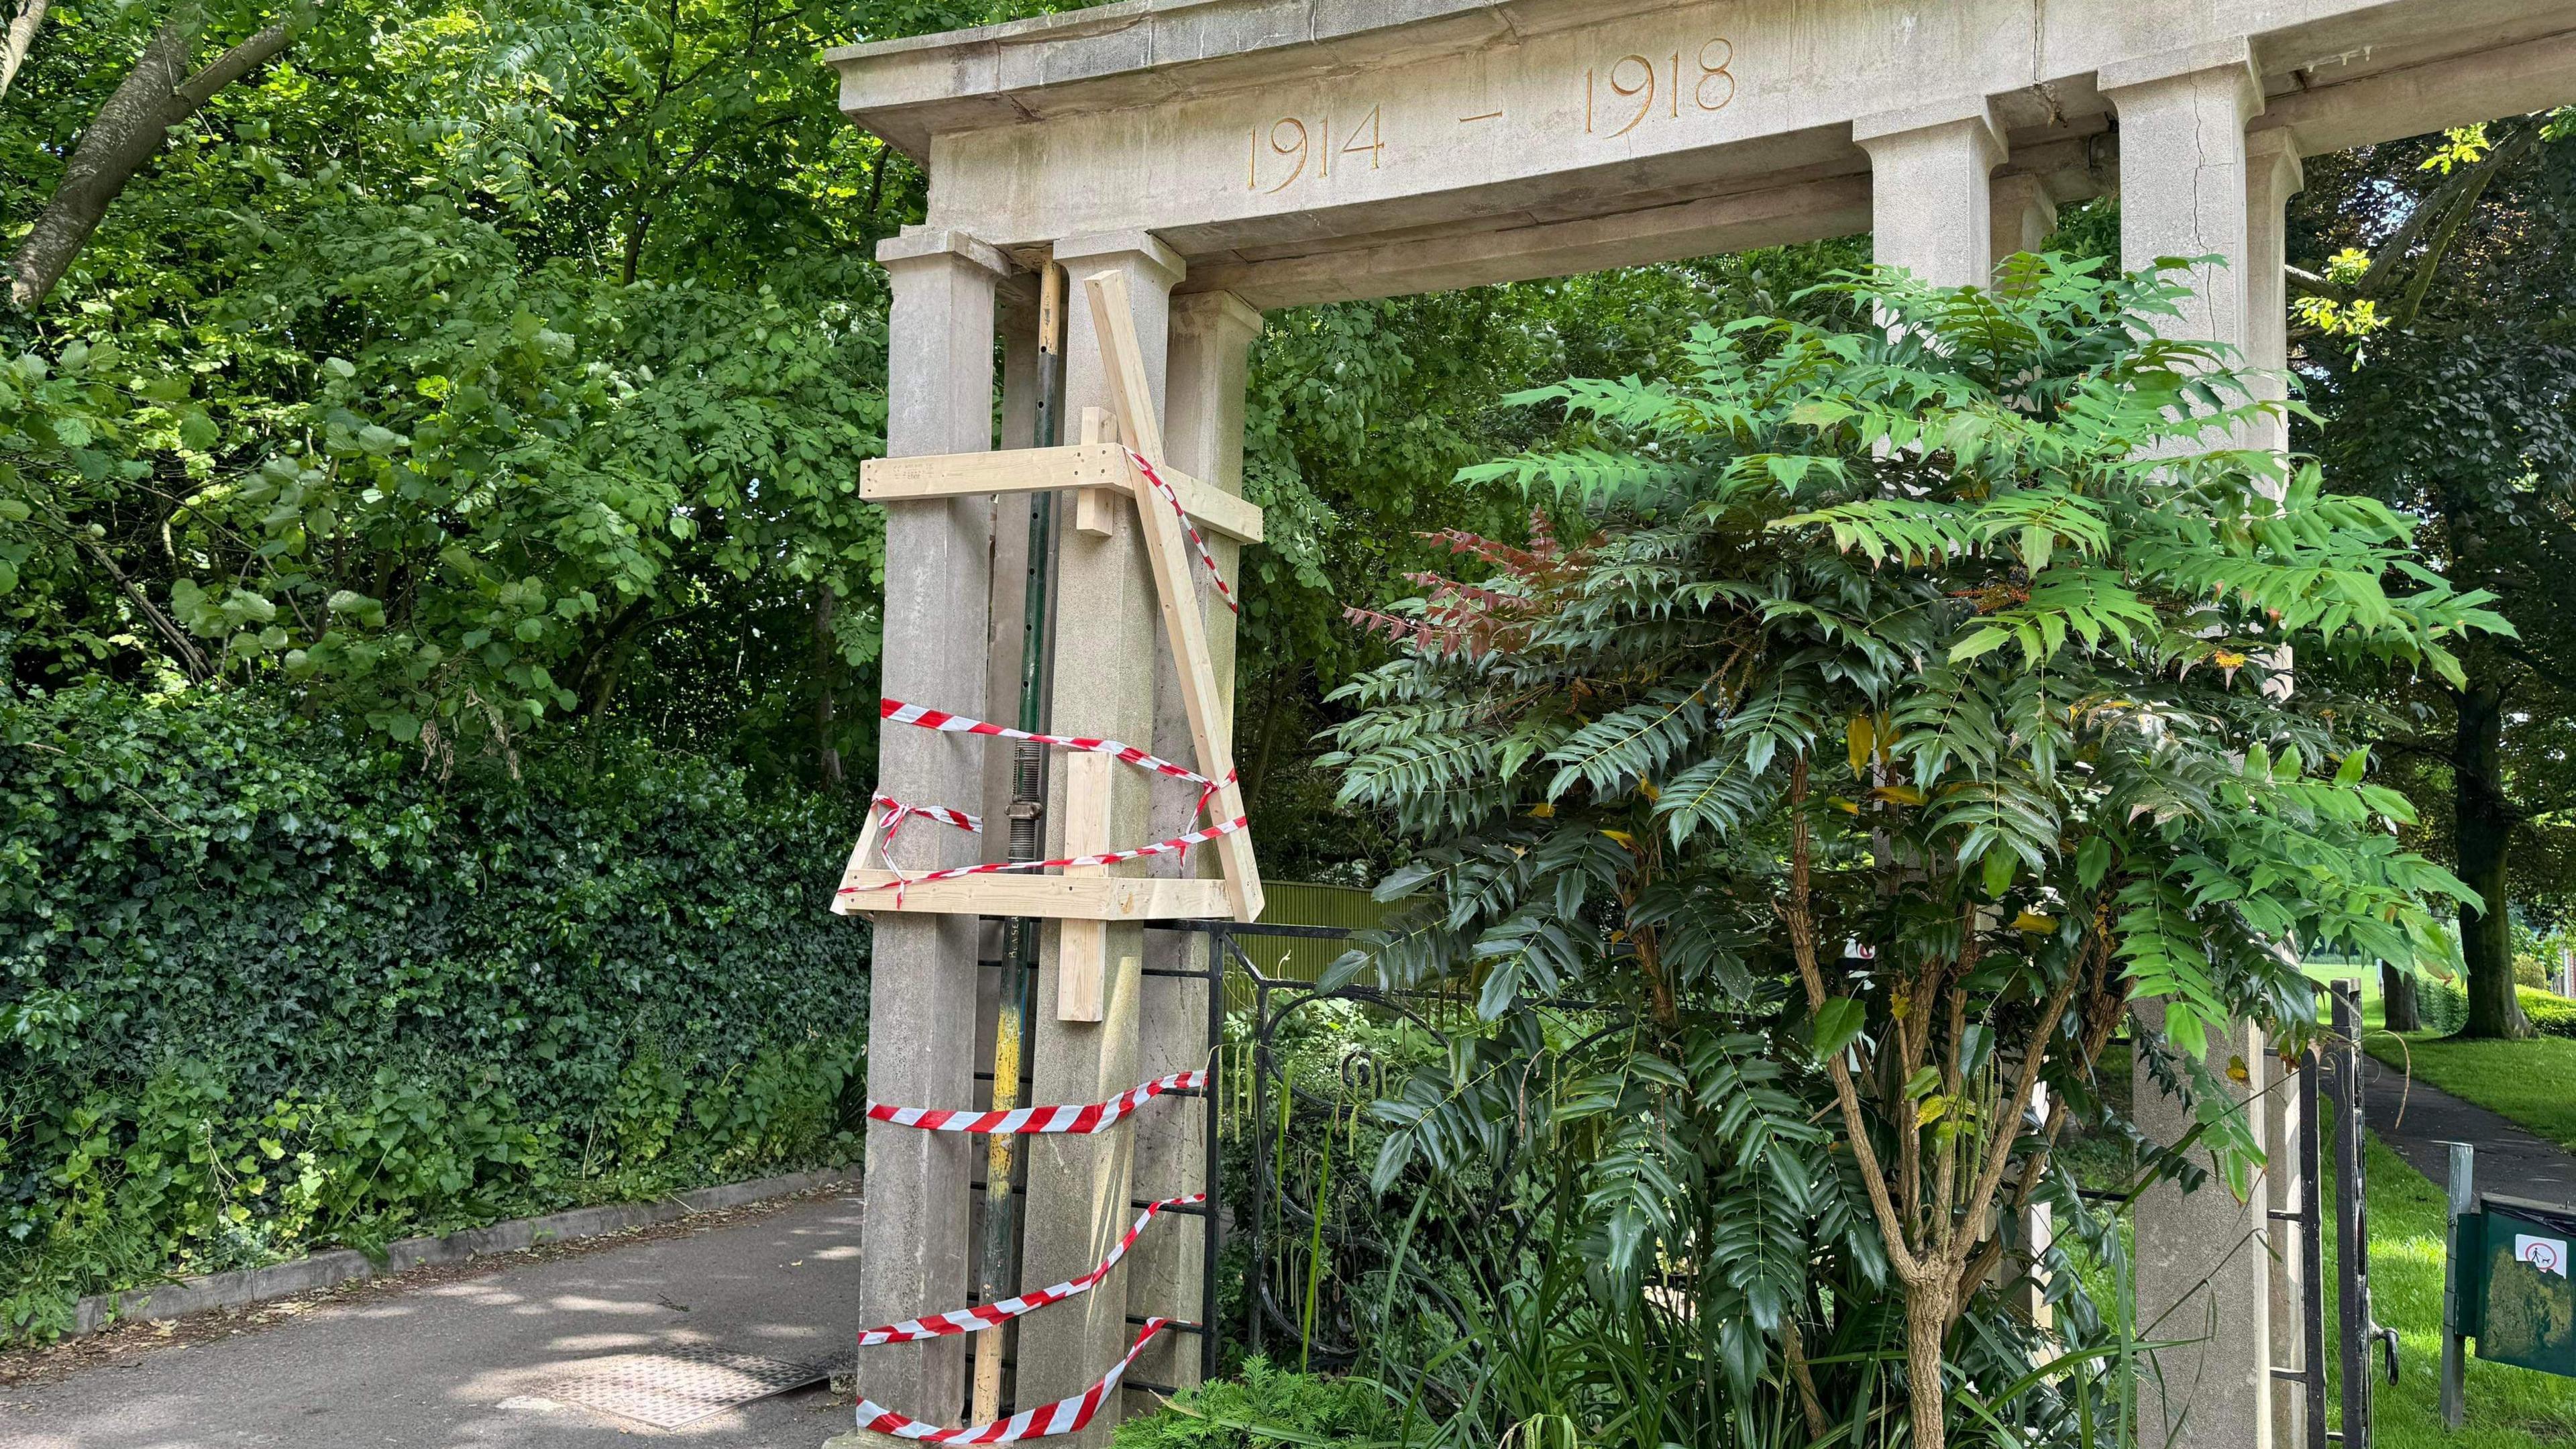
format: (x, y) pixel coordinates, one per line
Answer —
(2549, 1255)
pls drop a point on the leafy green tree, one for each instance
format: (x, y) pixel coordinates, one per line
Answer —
(1889, 711)
(525, 381)
(2438, 292)
(1353, 407)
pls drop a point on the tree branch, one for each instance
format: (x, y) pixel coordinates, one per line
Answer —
(1797, 915)
(20, 40)
(129, 130)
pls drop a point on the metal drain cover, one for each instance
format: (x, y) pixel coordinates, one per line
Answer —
(680, 1385)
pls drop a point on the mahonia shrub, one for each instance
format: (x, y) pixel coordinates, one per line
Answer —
(265, 984)
(1889, 708)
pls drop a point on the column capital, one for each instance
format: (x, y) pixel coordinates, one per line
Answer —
(928, 243)
(1973, 115)
(2235, 58)
(2276, 151)
(1092, 246)
(1215, 314)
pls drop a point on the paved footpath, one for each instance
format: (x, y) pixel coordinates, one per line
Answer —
(2510, 1159)
(466, 1361)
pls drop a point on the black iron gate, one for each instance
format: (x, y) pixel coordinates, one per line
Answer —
(2330, 1080)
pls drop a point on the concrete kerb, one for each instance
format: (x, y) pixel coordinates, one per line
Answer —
(346, 1265)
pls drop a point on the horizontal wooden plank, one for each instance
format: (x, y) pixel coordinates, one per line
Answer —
(1048, 897)
(1040, 470)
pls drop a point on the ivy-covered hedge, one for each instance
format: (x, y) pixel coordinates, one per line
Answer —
(264, 986)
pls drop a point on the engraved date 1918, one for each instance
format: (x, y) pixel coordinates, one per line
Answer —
(1637, 81)
(1617, 99)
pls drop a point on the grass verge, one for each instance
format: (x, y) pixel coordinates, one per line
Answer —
(2533, 1082)
(2509, 1408)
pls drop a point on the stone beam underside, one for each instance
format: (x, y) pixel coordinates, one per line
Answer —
(1287, 146)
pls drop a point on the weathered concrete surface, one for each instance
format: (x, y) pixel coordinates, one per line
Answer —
(2203, 1261)
(1253, 136)
(1932, 206)
(2183, 187)
(1108, 634)
(939, 399)
(459, 1363)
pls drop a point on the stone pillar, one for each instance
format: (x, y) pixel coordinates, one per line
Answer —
(939, 399)
(2183, 176)
(2203, 1258)
(2204, 1270)
(1212, 334)
(1108, 632)
(1931, 207)
(2024, 215)
(2272, 177)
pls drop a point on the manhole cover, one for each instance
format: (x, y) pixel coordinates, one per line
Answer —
(680, 1385)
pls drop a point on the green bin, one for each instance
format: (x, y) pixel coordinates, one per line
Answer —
(2519, 1264)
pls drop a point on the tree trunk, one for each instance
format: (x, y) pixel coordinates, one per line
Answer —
(2483, 826)
(1927, 1326)
(2397, 998)
(20, 40)
(827, 651)
(129, 130)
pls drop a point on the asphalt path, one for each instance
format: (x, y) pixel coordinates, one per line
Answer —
(467, 1358)
(2422, 1121)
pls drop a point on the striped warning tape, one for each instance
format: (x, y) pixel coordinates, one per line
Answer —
(983, 1316)
(1019, 1121)
(897, 811)
(895, 711)
(1114, 857)
(1206, 557)
(1064, 1416)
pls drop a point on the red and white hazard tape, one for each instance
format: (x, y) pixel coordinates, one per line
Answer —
(897, 712)
(1114, 857)
(1021, 1121)
(1205, 556)
(896, 812)
(1064, 1416)
(984, 1316)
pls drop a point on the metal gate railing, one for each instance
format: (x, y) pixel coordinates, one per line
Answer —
(2332, 1072)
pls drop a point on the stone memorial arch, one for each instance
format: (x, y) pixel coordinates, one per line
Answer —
(1217, 158)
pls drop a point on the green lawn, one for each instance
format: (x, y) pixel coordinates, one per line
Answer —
(2509, 1408)
(2533, 1082)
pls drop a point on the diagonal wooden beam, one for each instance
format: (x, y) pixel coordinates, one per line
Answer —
(1167, 550)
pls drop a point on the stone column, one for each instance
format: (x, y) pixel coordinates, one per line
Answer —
(2183, 176)
(2272, 177)
(1212, 335)
(939, 399)
(1108, 632)
(2203, 1258)
(2204, 1269)
(2024, 215)
(1931, 207)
